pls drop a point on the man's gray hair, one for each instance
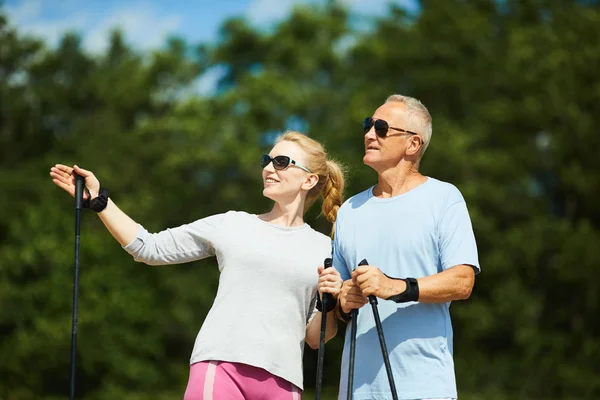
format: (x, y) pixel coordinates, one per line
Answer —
(419, 118)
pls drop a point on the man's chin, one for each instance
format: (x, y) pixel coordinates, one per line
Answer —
(369, 161)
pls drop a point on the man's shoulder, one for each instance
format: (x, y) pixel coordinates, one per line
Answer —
(437, 184)
(355, 200)
(444, 191)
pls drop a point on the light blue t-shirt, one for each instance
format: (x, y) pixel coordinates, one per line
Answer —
(416, 234)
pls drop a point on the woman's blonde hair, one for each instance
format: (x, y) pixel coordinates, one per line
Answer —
(330, 173)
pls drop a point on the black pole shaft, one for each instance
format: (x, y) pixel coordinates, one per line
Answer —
(353, 329)
(321, 358)
(384, 351)
(74, 317)
(78, 206)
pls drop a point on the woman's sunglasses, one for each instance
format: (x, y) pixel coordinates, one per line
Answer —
(280, 162)
(381, 127)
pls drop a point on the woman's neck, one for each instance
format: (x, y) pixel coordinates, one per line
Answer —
(285, 215)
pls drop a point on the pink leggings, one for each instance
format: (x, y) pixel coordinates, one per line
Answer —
(218, 380)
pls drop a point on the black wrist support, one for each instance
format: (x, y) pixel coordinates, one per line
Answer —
(410, 294)
(99, 203)
(331, 303)
(341, 314)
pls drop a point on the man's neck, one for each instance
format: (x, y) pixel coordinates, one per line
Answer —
(396, 181)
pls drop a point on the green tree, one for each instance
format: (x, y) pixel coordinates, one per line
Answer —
(513, 90)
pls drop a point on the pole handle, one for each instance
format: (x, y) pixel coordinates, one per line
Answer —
(79, 181)
(327, 297)
(372, 299)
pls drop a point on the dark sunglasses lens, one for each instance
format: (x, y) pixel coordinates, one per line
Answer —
(367, 124)
(381, 127)
(265, 160)
(281, 162)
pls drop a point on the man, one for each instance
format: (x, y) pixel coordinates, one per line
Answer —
(406, 226)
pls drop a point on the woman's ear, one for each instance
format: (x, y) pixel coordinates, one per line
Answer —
(310, 182)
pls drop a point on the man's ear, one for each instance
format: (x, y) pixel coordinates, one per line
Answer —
(310, 182)
(414, 146)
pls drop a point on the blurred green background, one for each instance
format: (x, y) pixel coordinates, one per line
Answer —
(514, 90)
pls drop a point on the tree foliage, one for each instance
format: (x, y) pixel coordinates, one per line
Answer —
(514, 92)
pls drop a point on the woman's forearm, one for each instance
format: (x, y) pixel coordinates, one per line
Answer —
(119, 224)
(313, 329)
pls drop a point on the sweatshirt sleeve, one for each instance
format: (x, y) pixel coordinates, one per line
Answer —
(185, 243)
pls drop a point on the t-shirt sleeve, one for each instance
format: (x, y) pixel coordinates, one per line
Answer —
(338, 260)
(185, 243)
(457, 240)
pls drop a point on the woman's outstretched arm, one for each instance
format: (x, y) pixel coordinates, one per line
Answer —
(120, 225)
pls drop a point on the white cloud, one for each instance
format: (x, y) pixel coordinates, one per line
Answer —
(142, 26)
(146, 23)
(378, 6)
(262, 12)
(25, 10)
(206, 84)
(28, 17)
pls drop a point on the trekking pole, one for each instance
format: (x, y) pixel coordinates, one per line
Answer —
(79, 180)
(327, 299)
(384, 351)
(353, 329)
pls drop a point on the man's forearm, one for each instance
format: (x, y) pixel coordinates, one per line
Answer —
(455, 283)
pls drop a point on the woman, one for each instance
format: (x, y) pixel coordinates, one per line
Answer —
(251, 343)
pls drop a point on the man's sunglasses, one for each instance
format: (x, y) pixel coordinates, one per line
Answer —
(381, 127)
(280, 162)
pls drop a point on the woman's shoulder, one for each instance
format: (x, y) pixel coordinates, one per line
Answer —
(318, 245)
(319, 237)
(220, 219)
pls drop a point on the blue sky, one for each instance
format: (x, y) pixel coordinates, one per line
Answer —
(146, 23)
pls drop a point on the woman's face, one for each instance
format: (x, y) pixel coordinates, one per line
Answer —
(284, 186)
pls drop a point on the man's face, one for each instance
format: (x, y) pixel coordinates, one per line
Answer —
(386, 152)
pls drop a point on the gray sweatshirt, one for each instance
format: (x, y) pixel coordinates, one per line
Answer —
(267, 286)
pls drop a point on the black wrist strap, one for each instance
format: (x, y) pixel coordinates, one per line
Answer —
(99, 203)
(410, 294)
(331, 303)
(341, 314)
